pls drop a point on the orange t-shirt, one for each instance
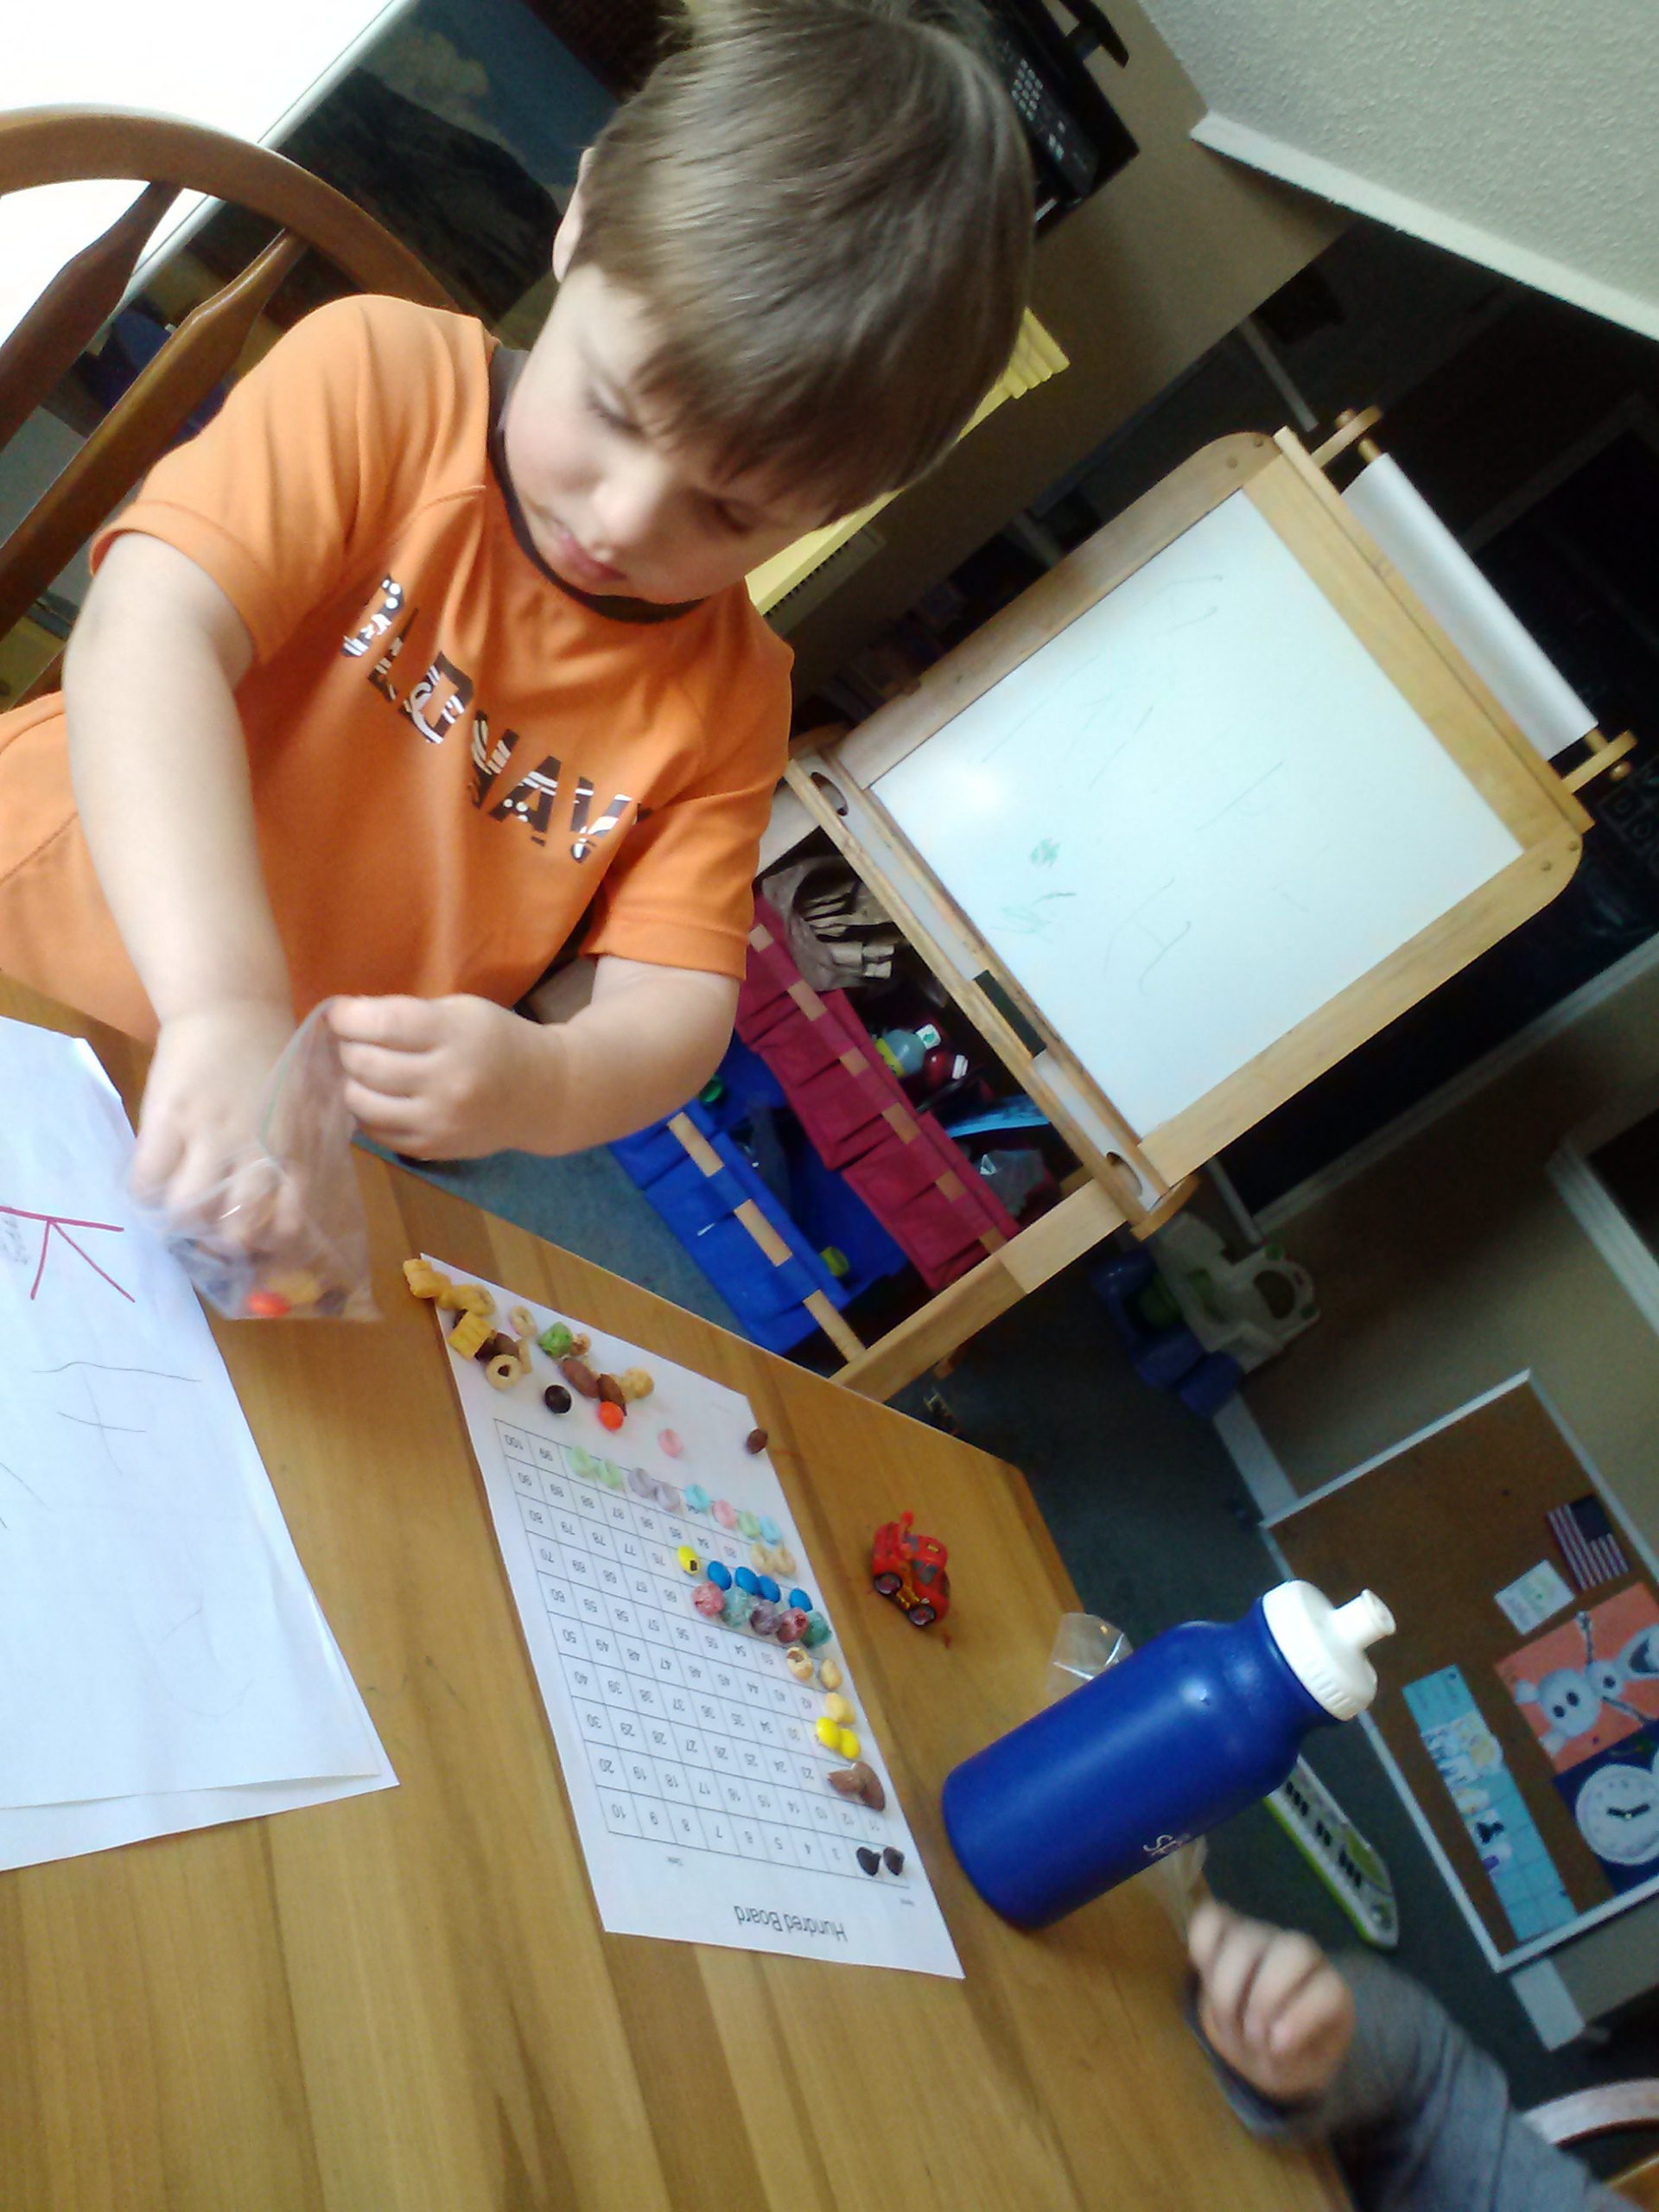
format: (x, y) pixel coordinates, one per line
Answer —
(453, 754)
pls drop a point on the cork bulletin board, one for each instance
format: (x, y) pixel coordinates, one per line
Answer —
(1518, 1703)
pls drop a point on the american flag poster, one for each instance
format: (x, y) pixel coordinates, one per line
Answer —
(1584, 1535)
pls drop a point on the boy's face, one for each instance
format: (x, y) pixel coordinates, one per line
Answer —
(611, 507)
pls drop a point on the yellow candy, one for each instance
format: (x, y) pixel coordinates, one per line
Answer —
(829, 1734)
(689, 1562)
(838, 1710)
(847, 1744)
(829, 1674)
(424, 1279)
(468, 1334)
(783, 1562)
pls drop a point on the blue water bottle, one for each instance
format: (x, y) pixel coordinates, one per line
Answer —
(1198, 1724)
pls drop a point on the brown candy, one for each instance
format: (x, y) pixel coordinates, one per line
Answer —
(756, 1441)
(860, 1782)
(580, 1377)
(611, 1391)
(492, 1347)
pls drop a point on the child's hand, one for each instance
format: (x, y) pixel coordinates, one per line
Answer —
(1271, 2003)
(444, 1079)
(198, 1128)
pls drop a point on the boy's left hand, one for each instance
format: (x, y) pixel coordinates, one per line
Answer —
(1271, 2004)
(444, 1079)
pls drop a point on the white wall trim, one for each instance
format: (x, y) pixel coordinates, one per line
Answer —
(1259, 1465)
(1467, 1083)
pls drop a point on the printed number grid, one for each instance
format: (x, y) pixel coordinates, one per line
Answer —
(697, 1735)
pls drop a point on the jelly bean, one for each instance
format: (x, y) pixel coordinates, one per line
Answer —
(828, 1734)
(696, 1498)
(689, 1563)
(612, 1476)
(847, 1744)
(769, 1590)
(669, 1498)
(580, 1377)
(783, 1560)
(610, 1417)
(801, 1602)
(746, 1579)
(719, 1574)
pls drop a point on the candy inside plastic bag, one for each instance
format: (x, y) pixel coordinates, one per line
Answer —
(283, 1236)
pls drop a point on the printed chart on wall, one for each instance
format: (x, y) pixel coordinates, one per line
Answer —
(1518, 1708)
(726, 1786)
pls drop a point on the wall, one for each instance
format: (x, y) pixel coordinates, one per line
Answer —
(1521, 135)
(1451, 1263)
(1135, 284)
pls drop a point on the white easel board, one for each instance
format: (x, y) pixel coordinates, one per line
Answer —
(700, 1789)
(1195, 816)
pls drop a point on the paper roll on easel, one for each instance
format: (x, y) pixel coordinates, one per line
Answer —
(1496, 646)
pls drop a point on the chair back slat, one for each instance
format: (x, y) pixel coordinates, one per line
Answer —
(73, 310)
(138, 428)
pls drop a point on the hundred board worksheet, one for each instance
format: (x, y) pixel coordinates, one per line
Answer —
(691, 1752)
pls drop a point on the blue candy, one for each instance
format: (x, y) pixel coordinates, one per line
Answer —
(719, 1574)
(768, 1589)
(748, 1581)
(770, 1532)
(696, 1499)
(801, 1602)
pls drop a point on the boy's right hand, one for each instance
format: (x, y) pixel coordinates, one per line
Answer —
(1271, 2004)
(199, 1127)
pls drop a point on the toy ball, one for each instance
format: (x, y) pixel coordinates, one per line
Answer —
(709, 1599)
(719, 1574)
(610, 1417)
(674, 1445)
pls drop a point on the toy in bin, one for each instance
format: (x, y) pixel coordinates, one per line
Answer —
(909, 1570)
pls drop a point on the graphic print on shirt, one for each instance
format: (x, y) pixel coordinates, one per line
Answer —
(437, 701)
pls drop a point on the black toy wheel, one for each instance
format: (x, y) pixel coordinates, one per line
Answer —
(921, 1616)
(887, 1584)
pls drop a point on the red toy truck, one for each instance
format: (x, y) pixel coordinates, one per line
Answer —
(909, 1570)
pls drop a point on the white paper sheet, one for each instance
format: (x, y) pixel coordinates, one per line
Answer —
(159, 1643)
(699, 1786)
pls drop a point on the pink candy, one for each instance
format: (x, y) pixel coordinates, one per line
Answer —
(709, 1599)
(792, 1625)
(725, 1512)
(672, 1442)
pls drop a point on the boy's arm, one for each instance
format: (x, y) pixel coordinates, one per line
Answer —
(161, 775)
(449, 1079)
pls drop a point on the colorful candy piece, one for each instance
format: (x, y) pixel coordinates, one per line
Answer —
(556, 1398)
(817, 1631)
(674, 1444)
(669, 1498)
(869, 1859)
(737, 1608)
(689, 1562)
(892, 1859)
(642, 1484)
(635, 1383)
(719, 1574)
(612, 1476)
(583, 1464)
(847, 1744)
(791, 1623)
(860, 1782)
(610, 1391)
(827, 1732)
(755, 1442)
(557, 1339)
(761, 1557)
(747, 1523)
(769, 1590)
(746, 1579)
(828, 1673)
(471, 1331)
(783, 1562)
(801, 1602)
(696, 1498)
(709, 1599)
(798, 1664)
(837, 1709)
(770, 1531)
(266, 1306)
(580, 1377)
(424, 1279)
(763, 1617)
(610, 1417)
(725, 1513)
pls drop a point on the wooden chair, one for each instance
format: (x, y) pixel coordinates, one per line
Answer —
(1607, 2111)
(57, 145)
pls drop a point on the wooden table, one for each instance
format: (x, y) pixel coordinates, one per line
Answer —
(405, 2001)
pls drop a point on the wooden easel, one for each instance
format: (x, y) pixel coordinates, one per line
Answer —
(1136, 1176)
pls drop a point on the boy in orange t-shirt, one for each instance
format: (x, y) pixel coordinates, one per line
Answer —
(423, 656)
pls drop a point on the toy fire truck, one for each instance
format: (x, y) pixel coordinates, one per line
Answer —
(909, 1570)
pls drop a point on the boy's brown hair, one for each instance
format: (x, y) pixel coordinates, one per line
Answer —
(826, 207)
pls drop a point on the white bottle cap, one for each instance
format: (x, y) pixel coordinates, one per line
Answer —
(1324, 1644)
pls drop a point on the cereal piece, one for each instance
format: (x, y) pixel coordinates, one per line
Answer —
(837, 1709)
(522, 1323)
(297, 1286)
(494, 1346)
(578, 1373)
(505, 1371)
(467, 1298)
(635, 1383)
(266, 1306)
(799, 1663)
(471, 1331)
(827, 1732)
(424, 1279)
